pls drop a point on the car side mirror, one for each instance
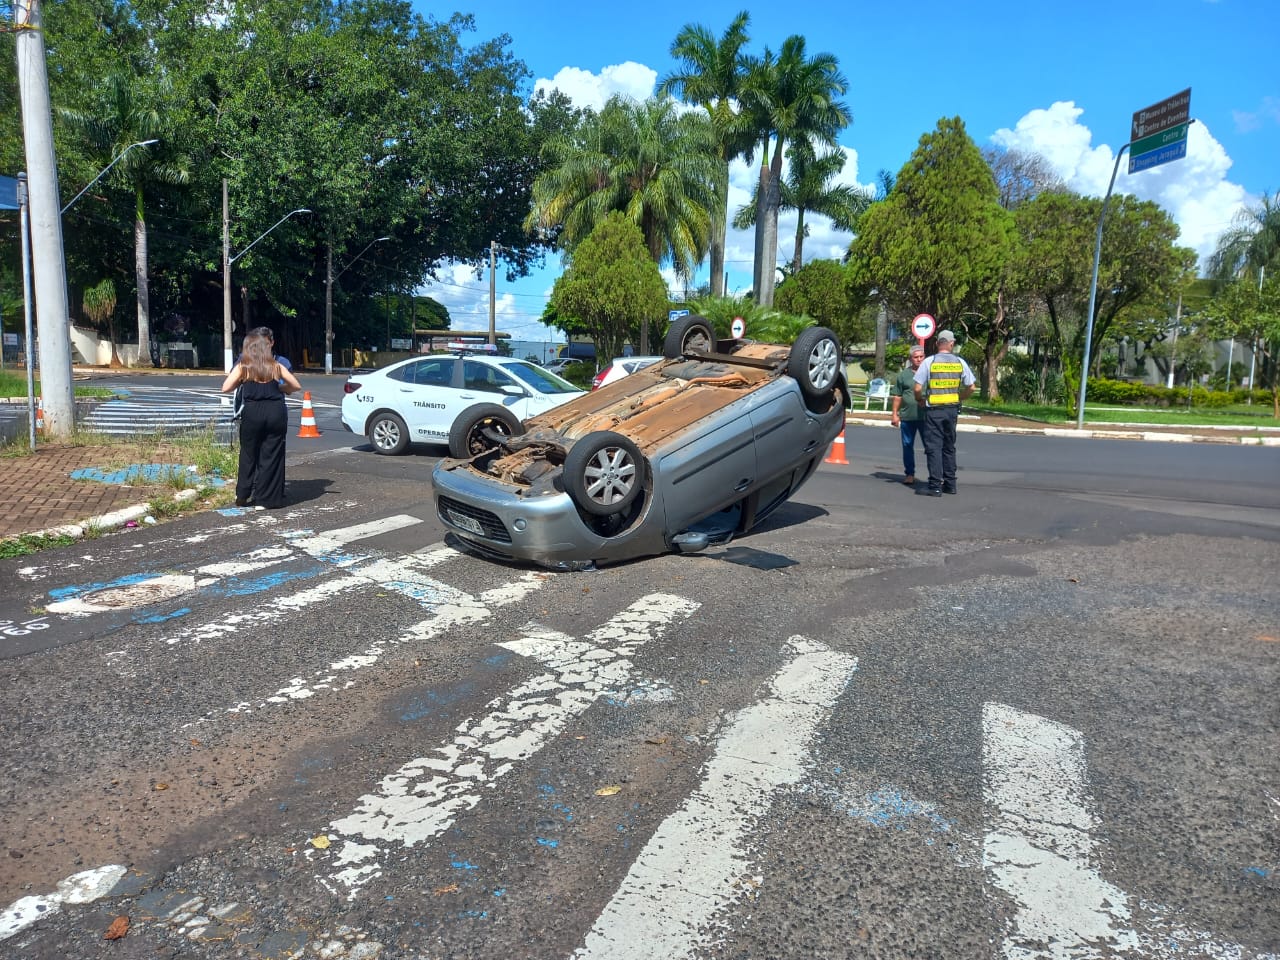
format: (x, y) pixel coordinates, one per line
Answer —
(511, 390)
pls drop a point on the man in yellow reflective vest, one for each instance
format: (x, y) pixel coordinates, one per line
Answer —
(941, 384)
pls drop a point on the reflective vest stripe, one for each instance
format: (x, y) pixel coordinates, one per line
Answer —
(944, 383)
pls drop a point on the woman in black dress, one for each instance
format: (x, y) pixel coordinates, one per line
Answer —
(263, 422)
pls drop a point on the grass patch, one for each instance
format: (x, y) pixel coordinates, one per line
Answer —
(29, 543)
(15, 385)
(1236, 415)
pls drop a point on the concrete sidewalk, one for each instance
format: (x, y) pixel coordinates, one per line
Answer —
(38, 494)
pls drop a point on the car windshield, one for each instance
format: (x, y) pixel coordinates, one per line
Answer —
(544, 381)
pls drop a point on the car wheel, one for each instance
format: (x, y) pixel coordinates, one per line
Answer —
(814, 363)
(604, 473)
(687, 333)
(388, 434)
(466, 436)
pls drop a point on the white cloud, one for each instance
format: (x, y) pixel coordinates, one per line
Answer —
(1194, 190)
(1268, 111)
(587, 89)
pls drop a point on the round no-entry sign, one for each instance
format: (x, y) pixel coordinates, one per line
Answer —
(923, 326)
(739, 328)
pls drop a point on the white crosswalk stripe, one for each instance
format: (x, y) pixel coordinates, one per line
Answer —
(690, 867)
(420, 800)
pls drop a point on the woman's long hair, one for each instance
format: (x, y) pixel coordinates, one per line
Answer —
(258, 359)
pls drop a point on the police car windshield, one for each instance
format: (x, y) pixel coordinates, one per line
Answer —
(544, 381)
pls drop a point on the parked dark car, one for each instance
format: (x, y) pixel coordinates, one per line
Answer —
(678, 455)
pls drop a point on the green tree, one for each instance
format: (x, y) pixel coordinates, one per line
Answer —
(611, 287)
(808, 188)
(1252, 245)
(646, 160)
(1249, 309)
(100, 308)
(822, 290)
(789, 98)
(1140, 270)
(131, 111)
(940, 242)
(711, 73)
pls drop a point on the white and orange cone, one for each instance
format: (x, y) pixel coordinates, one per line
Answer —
(837, 451)
(308, 428)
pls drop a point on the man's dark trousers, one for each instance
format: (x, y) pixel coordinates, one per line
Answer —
(940, 445)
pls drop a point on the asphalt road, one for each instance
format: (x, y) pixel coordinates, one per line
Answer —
(1036, 719)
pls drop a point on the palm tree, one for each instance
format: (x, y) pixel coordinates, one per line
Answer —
(1252, 245)
(122, 120)
(645, 159)
(808, 188)
(790, 98)
(711, 74)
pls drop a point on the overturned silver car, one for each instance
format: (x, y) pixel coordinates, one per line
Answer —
(677, 456)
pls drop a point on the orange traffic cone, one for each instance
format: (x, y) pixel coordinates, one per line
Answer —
(837, 451)
(308, 428)
(39, 417)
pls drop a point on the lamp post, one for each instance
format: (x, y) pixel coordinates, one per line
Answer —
(227, 261)
(330, 279)
(103, 172)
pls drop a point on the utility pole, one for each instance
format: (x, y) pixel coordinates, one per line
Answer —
(328, 311)
(1173, 349)
(493, 292)
(48, 263)
(226, 280)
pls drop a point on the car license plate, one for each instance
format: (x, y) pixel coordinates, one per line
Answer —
(470, 524)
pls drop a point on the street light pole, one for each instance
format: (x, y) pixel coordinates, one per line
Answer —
(330, 278)
(227, 261)
(1093, 291)
(103, 171)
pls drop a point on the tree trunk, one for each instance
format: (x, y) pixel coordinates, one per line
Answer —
(719, 230)
(882, 334)
(144, 293)
(761, 197)
(798, 257)
(769, 235)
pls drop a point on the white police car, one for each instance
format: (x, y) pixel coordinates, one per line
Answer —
(449, 398)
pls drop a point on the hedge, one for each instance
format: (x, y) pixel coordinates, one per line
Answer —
(1126, 393)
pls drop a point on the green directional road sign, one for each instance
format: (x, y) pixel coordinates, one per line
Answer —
(1159, 132)
(1158, 140)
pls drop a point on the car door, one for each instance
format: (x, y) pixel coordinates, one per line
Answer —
(713, 467)
(424, 394)
(485, 383)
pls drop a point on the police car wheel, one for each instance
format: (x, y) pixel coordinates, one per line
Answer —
(388, 434)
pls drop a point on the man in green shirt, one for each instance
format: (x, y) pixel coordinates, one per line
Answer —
(906, 412)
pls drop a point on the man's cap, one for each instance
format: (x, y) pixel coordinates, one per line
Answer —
(946, 336)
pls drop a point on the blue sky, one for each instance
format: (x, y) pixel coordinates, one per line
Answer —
(1059, 79)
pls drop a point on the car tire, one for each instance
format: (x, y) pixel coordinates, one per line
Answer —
(388, 434)
(814, 363)
(687, 333)
(604, 472)
(466, 436)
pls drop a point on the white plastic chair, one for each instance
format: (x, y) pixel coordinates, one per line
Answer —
(877, 389)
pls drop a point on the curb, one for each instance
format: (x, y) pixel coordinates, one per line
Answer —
(1066, 433)
(107, 521)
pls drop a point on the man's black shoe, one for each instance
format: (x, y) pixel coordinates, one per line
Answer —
(948, 488)
(929, 492)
